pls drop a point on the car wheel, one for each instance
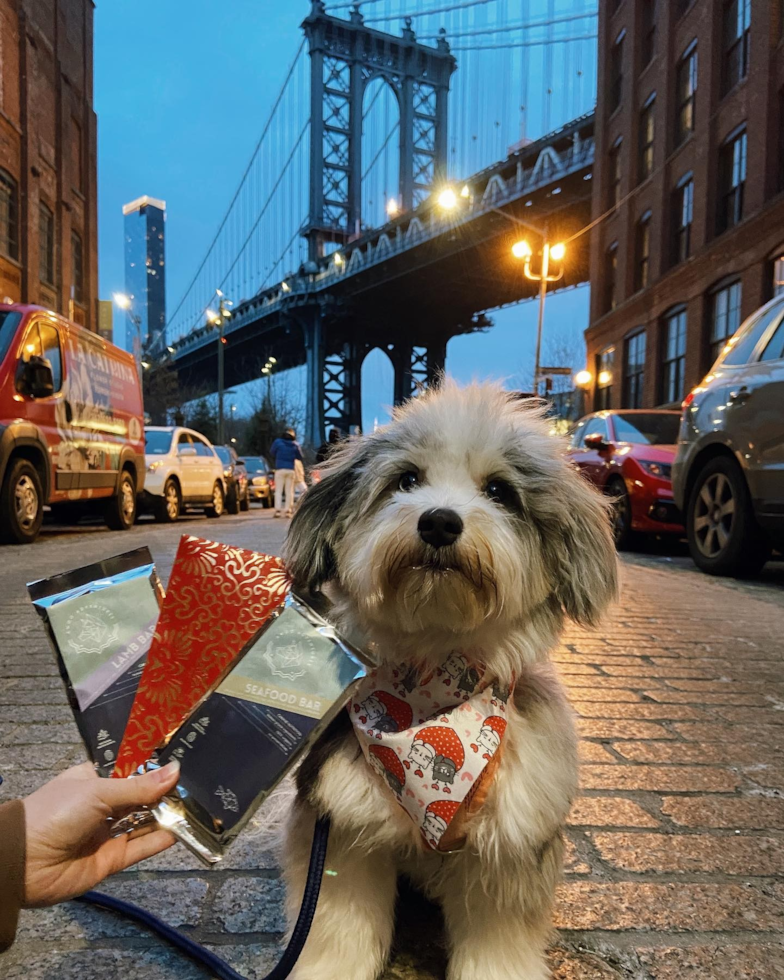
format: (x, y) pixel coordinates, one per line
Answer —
(233, 500)
(218, 502)
(120, 511)
(168, 507)
(21, 503)
(266, 503)
(621, 515)
(245, 502)
(724, 538)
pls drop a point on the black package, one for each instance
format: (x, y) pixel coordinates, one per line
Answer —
(100, 620)
(289, 682)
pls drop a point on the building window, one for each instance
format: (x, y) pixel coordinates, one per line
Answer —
(605, 362)
(686, 93)
(611, 277)
(778, 276)
(634, 370)
(682, 213)
(646, 135)
(77, 269)
(9, 216)
(45, 244)
(674, 360)
(615, 174)
(616, 72)
(648, 31)
(736, 21)
(732, 179)
(77, 156)
(725, 317)
(642, 251)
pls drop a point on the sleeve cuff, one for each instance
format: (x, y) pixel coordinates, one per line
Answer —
(12, 869)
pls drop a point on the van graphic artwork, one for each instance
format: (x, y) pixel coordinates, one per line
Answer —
(71, 431)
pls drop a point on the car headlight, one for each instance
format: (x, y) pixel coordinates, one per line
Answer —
(227, 472)
(154, 467)
(662, 470)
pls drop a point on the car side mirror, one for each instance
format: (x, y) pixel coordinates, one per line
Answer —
(239, 462)
(38, 377)
(596, 441)
(186, 451)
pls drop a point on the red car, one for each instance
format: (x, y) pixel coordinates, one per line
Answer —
(629, 454)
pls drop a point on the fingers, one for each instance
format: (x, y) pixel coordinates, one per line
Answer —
(146, 846)
(141, 790)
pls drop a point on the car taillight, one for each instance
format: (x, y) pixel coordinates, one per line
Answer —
(688, 400)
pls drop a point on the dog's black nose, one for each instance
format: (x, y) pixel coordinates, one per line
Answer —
(440, 527)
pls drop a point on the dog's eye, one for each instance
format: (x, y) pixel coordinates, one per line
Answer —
(408, 481)
(500, 492)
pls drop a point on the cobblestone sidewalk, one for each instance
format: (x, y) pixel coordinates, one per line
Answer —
(676, 846)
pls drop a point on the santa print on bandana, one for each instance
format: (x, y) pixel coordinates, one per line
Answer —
(430, 737)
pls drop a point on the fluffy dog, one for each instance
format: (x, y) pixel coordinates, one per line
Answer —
(458, 527)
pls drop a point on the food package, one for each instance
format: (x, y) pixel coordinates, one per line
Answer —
(216, 600)
(100, 620)
(266, 710)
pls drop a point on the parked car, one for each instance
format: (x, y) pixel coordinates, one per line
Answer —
(628, 454)
(236, 477)
(183, 470)
(260, 480)
(728, 475)
(71, 423)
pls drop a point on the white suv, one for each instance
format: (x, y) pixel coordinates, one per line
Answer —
(183, 470)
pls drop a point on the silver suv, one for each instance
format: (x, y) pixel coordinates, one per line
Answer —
(728, 475)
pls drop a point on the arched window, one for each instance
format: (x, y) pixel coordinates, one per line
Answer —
(674, 355)
(9, 216)
(724, 316)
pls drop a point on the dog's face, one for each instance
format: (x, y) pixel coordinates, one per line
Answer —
(461, 513)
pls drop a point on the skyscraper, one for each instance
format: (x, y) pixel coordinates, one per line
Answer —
(145, 273)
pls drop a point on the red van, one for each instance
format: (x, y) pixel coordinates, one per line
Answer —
(71, 423)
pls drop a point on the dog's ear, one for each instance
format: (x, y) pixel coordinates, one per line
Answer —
(586, 564)
(318, 523)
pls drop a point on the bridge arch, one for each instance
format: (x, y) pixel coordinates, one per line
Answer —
(378, 387)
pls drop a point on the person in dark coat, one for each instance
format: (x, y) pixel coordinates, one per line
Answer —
(327, 447)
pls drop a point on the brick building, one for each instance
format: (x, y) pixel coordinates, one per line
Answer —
(48, 220)
(690, 173)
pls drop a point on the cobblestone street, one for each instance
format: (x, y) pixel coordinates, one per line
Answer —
(676, 846)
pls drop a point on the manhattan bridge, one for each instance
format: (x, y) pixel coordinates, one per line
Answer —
(410, 144)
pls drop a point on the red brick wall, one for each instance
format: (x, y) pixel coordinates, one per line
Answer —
(744, 251)
(46, 104)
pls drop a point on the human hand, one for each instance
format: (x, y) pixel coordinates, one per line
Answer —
(68, 847)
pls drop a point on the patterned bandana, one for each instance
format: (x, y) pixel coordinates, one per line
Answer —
(434, 739)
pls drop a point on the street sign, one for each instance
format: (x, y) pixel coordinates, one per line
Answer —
(554, 370)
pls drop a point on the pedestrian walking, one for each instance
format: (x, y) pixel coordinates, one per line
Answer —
(284, 451)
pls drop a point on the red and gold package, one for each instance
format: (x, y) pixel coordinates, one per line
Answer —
(218, 597)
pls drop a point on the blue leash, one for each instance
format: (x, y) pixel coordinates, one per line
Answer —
(218, 967)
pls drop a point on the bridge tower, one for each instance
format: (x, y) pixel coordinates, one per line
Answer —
(345, 57)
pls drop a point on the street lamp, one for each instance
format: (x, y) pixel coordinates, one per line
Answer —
(125, 302)
(522, 250)
(583, 379)
(447, 199)
(218, 318)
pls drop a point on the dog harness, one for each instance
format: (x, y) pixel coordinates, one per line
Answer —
(435, 739)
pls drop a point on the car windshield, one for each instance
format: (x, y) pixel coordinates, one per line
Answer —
(647, 428)
(157, 442)
(223, 454)
(255, 465)
(9, 321)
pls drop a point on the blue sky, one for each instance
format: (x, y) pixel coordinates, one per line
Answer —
(182, 88)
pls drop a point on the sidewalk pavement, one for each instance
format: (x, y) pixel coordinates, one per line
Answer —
(676, 846)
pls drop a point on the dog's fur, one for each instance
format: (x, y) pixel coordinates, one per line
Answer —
(519, 567)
